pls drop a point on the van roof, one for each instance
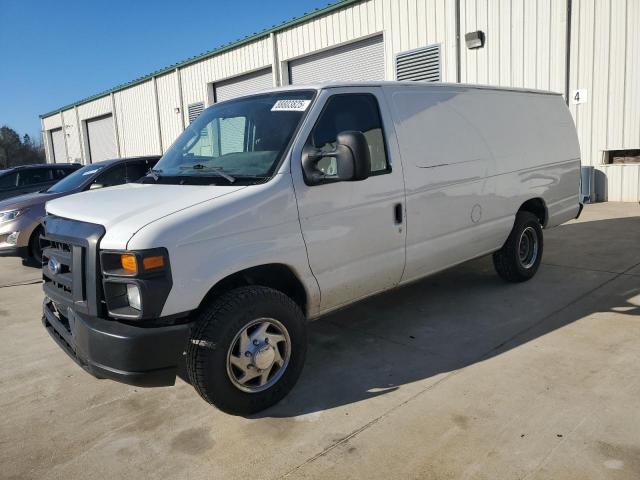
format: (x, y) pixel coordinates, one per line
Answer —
(408, 84)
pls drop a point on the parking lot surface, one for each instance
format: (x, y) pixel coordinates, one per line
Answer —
(457, 376)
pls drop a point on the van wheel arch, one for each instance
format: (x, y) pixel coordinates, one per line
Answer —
(278, 276)
(538, 207)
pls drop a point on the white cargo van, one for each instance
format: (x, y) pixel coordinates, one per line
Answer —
(276, 208)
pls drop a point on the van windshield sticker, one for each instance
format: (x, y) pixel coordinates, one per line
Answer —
(89, 172)
(290, 105)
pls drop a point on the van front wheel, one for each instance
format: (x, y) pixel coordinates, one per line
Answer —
(247, 349)
(519, 258)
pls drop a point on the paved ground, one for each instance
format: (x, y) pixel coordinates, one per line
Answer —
(458, 376)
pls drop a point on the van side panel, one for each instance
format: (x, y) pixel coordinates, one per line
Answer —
(472, 157)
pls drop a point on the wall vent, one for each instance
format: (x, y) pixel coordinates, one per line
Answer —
(195, 109)
(421, 65)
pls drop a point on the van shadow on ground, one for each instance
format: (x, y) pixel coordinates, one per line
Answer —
(454, 319)
(460, 317)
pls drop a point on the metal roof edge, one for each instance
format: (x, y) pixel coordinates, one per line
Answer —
(211, 53)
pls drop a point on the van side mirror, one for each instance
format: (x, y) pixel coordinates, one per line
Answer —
(95, 186)
(353, 160)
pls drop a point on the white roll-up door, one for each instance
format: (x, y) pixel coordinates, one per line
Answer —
(358, 61)
(244, 85)
(102, 139)
(57, 144)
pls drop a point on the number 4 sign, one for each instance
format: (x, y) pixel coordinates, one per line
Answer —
(579, 96)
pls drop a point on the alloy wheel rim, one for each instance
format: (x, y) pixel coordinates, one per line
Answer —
(528, 247)
(259, 355)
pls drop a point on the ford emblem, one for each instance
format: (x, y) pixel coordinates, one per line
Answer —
(54, 266)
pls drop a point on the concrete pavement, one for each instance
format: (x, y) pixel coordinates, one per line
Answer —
(457, 376)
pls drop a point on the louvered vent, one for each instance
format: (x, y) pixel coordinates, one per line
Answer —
(195, 109)
(422, 65)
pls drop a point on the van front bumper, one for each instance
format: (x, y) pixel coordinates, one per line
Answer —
(141, 356)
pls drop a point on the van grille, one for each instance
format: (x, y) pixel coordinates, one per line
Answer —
(70, 269)
(58, 272)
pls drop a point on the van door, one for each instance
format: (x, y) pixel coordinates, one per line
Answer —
(447, 163)
(354, 231)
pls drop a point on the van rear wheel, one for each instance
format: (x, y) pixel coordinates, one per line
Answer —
(519, 258)
(247, 349)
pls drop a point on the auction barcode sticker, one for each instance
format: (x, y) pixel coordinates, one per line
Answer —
(290, 105)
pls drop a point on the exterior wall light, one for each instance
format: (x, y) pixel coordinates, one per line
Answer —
(474, 40)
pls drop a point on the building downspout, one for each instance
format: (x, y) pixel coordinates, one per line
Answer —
(115, 125)
(567, 59)
(458, 45)
(158, 125)
(181, 99)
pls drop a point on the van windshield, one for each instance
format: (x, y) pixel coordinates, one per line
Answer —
(235, 140)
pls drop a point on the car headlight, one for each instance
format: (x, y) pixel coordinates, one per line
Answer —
(11, 215)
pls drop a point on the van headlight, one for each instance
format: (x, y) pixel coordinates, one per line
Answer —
(136, 284)
(133, 296)
(11, 214)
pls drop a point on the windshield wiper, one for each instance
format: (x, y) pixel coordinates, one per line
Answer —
(219, 170)
(153, 173)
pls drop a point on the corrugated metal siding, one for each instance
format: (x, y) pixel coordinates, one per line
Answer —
(525, 43)
(52, 122)
(74, 151)
(606, 62)
(617, 183)
(247, 58)
(407, 24)
(136, 120)
(95, 108)
(168, 101)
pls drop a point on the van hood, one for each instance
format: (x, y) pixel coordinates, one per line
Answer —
(125, 209)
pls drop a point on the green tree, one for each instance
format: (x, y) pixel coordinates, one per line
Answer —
(14, 151)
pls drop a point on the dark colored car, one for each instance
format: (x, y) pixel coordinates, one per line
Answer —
(20, 216)
(33, 178)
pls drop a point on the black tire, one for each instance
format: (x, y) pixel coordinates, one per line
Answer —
(35, 249)
(509, 261)
(217, 327)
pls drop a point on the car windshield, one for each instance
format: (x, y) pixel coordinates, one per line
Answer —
(74, 180)
(242, 138)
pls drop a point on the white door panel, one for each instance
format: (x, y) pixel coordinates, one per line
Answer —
(358, 61)
(354, 245)
(244, 85)
(102, 139)
(57, 144)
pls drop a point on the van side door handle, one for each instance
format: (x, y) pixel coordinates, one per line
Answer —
(397, 212)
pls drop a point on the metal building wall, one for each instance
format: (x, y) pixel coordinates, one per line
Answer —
(168, 102)
(70, 129)
(95, 108)
(136, 120)
(196, 78)
(525, 47)
(525, 43)
(405, 24)
(605, 60)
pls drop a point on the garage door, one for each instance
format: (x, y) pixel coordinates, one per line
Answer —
(57, 143)
(101, 138)
(357, 61)
(244, 85)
